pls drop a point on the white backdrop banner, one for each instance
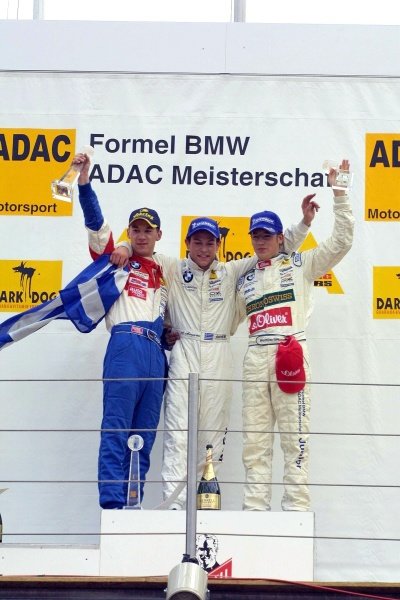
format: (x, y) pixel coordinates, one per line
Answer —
(223, 146)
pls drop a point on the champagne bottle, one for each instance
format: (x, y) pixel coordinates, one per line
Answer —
(208, 491)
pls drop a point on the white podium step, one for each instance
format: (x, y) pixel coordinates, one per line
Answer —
(145, 543)
(276, 545)
(39, 559)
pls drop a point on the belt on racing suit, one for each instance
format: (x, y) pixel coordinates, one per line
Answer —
(206, 336)
(268, 339)
(137, 330)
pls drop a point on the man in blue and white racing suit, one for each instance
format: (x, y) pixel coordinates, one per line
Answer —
(135, 322)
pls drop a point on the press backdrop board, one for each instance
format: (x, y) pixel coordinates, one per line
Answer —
(230, 146)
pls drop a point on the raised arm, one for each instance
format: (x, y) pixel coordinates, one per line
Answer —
(295, 235)
(99, 232)
(323, 258)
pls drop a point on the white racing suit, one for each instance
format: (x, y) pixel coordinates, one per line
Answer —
(276, 297)
(201, 306)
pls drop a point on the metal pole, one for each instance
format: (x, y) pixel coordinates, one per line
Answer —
(193, 399)
(239, 11)
(37, 9)
(189, 579)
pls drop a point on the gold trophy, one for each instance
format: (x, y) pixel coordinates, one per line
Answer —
(63, 188)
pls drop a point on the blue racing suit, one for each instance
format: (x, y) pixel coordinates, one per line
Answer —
(135, 322)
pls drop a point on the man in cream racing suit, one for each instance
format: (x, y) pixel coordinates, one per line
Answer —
(201, 309)
(276, 298)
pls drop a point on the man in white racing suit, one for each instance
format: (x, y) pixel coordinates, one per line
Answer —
(276, 298)
(201, 307)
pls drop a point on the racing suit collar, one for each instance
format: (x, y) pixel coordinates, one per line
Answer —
(141, 259)
(194, 267)
(262, 264)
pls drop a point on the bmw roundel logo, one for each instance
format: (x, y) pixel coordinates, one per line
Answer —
(187, 276)
(135, 264)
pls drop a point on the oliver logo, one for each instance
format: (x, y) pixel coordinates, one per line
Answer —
(382, 177)
(30, 159)
(27, 283)
(386, 293)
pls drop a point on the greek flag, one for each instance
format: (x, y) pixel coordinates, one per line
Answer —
(84, 301)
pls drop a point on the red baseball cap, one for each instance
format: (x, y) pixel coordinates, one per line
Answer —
(289, 366)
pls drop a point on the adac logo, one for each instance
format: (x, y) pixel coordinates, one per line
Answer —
(382, 177)
(386, 292)
(30, 159)
(25, 284)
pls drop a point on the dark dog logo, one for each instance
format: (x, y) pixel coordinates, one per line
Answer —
(25, 278)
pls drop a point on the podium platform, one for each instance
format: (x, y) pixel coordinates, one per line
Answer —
(146, 543)
(245, 544)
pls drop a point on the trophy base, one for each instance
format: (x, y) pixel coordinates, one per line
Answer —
(61, 191)
(343, 180)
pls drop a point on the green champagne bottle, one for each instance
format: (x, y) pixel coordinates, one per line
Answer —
(208, 491)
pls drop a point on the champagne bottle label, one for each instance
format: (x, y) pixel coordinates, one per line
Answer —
(209, 502)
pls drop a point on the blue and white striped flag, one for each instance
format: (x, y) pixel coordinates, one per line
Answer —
(84, 301)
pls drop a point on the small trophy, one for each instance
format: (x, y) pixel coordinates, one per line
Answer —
(344, 179)
(133, 500)
(62, 189)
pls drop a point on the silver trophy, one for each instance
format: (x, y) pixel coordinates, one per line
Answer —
(133, 499)
(344, 179)
(63, 188)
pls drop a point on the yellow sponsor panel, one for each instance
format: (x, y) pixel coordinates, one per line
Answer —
(27, 283)
(328, 281)
(382, 177)
(30, 159)
(386, 293)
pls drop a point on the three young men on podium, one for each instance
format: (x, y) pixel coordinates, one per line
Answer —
(200, 292)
